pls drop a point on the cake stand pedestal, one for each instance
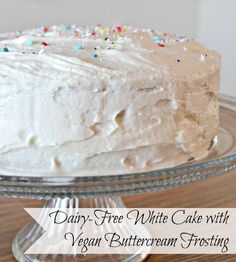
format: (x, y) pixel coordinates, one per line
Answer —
(28, 235)
(106, 191)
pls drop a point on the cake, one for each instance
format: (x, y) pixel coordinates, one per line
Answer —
(105, 100)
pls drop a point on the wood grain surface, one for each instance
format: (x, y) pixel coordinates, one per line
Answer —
(215, 192)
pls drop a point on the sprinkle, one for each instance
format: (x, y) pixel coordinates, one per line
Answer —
(161, 45)
(30, 42)
(19, 32)
(77, 34)
(45, 30)
(202, 58)
(168, 35)
(94, 55)
(44, 44)
(157, 39)
(77, 47)
(105, 38)
(95, 48)
(5, 49)
(178, 60)
(67, 27)
(118, 29)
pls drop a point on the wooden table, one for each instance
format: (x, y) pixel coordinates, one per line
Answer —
(215, 192)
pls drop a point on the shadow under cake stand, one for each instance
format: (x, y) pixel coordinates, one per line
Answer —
(106, 191)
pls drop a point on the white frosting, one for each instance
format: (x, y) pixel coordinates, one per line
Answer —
(138, 105)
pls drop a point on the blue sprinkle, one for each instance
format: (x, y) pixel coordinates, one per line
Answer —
(157, 39)
(77, 47)
(30, 42)
(95, 55)
(5, 49)
(67, 27)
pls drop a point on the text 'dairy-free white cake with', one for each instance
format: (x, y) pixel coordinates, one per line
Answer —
(105, 100)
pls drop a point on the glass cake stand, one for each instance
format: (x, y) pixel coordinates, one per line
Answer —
(106, 191)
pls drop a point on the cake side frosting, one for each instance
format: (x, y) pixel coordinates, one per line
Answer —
(105, 100)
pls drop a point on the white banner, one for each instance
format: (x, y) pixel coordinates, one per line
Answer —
(128, 231)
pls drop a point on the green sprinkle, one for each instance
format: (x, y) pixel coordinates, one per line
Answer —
(5, 49)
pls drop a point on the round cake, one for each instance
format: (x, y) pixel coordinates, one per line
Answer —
(104, 100)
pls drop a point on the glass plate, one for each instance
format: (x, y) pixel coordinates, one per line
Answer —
(221, 159)
(105, 191)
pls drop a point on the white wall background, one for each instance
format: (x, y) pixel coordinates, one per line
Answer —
(217, 30)
(213, 22)
(168, 15)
